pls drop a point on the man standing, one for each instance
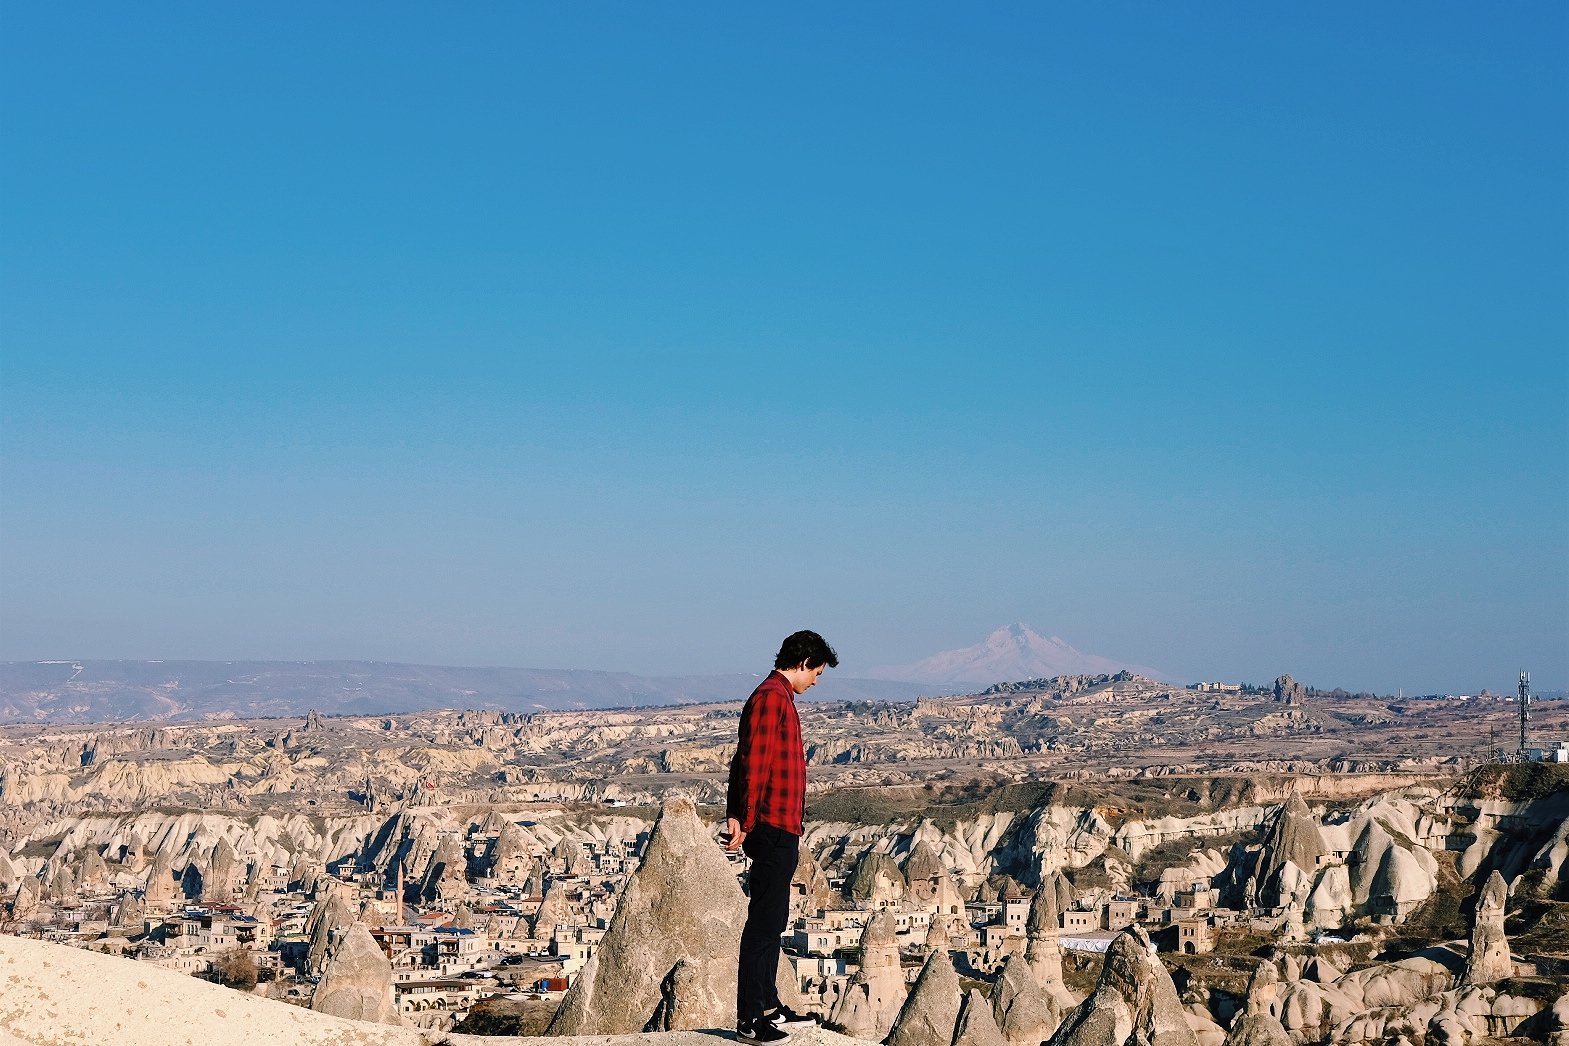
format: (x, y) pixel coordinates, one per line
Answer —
(764, 814)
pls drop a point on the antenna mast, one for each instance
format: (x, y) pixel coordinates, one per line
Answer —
(1525, 710)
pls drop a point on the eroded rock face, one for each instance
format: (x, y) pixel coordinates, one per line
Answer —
(937, 939)
(444, 877)
(1289, 691)
(1387, 878)
(1468, 1016)
(1489, 959)
(668, 960)
(875, 993)
(129, 914)
(1062, 891)
(553, 910)
(94, 871)
(810, 881)
(62, 887)
(28, 894)
(931, 1013)
(535, 887)
(1257, 1029)
(877, 880)
(1263, 987)
(1134, 1004)
(1041, 949)
(1257, 1025)
(579, 864)
(976, 1025)
(1023, 1011)
(134, 857)
(357, 980)
(1359, 1003)
(192, 880)
(1290, 855)
(218, 885)
(924, 871)
(326, 919)
(161, 887)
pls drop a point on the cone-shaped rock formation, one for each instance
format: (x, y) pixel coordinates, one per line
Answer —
(875, 993)
(1290, 854)
(809, 882)
(1489, 959)
(357, 980)
(1041, 949)
(1023, 1011)
(931, 1013)
(924, 871)
(877, 880)
(668, 960)
(1134, 1004)
(325, 920)
(1257, 1029)
(976, 1025)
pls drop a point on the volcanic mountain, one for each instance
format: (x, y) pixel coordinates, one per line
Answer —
(1011, 653)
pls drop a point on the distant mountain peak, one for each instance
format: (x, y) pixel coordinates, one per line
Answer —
(1009, 654)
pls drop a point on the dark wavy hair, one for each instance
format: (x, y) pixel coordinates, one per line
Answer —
(806, 648)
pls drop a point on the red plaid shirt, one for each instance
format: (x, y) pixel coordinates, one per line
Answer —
(768, 773)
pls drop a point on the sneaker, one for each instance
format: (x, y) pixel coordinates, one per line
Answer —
(761, 1033)
(785, 1017)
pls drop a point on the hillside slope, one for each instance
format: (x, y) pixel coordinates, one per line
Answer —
(52, 995)
(59, 996)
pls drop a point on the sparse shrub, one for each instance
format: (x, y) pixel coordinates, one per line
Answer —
(499, 1015)
(235, 968)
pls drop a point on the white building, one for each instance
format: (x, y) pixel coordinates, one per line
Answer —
(1557, 752)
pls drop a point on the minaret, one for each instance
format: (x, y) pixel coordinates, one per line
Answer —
(400, 894)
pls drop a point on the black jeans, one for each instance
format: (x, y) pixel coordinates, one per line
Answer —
(773, 852)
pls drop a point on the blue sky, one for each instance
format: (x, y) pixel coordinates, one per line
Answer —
(1229, 339)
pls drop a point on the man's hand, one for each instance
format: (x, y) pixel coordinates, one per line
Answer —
(733, 834)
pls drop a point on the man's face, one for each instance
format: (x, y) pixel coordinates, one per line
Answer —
(802, 678)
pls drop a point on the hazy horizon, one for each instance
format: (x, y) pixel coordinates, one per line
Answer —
(1504, 687)
(1227, 340)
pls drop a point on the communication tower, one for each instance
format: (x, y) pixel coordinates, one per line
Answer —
(1525, 711)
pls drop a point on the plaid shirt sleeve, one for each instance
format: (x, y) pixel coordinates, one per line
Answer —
(768, 773)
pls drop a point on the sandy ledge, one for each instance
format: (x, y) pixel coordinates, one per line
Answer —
(53, 995)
